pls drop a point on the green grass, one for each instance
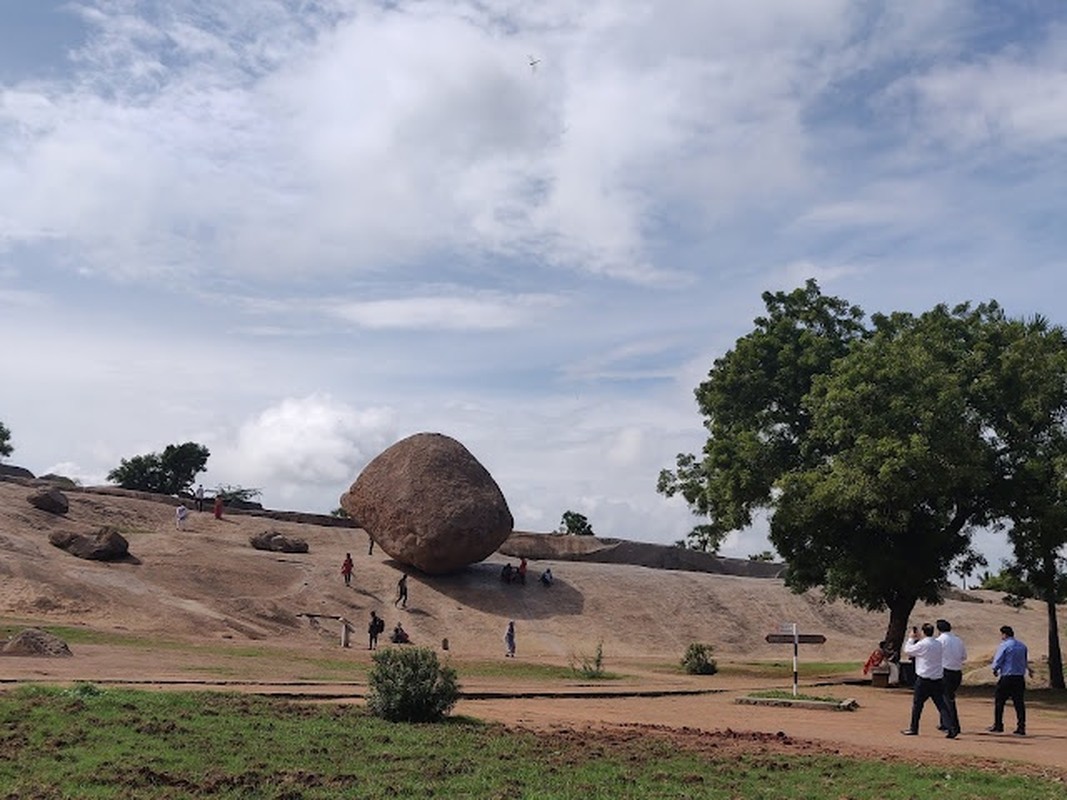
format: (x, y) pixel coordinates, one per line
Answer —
(787, 694)
(807, 669)
(89, 743)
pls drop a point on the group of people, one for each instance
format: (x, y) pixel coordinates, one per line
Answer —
(510, 574)
(181, 513)
(376, 625)
(401, 601)
(939, 671)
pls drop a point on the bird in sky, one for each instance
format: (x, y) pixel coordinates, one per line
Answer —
(533, 63)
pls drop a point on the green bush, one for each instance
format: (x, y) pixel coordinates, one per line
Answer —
(589, 666)
(410, 685)
(698, 661)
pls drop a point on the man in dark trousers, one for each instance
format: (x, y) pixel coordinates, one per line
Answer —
(929, 675)
(1011, 665)
(402, 592)
(953, 654)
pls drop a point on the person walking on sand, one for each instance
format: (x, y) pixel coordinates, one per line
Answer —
(953, 654)
(402, 592)
(1011, 665)
(929, 676)
(509, 640)
(346, 569)
(218, 506)
(199, 497)
(180, 513)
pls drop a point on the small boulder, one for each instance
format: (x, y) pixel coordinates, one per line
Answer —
(11, 471)
(106, 544)
(35, 642)
(278, 542)
(51, 500)
(429, 503)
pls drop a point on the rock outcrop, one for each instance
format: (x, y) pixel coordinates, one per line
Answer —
(51, 500)
(106, 544)
(278, 542)
(35, 642)
(430, 504)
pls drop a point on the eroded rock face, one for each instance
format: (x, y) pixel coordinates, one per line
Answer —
(106, 544)
(51, 500)
(278, 542)
(429, 503)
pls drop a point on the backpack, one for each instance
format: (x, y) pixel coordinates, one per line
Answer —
(379, 625)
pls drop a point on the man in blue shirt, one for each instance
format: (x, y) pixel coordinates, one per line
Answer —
(1011, 665)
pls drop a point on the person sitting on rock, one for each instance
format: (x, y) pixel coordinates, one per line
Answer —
(546, 577)
(507, 573)
(400, 636)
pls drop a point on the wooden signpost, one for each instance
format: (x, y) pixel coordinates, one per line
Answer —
(788, 635)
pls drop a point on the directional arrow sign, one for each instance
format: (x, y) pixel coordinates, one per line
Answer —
(802, 638)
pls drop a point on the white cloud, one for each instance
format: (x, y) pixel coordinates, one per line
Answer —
(314, 441)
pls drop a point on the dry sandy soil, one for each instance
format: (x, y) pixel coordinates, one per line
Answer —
(200, 607)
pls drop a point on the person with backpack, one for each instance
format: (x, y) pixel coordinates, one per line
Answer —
(374, 629)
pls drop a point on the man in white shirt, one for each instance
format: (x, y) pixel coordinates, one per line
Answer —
(953, 654)
(929, 672)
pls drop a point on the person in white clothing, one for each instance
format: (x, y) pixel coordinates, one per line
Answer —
(953, 654)
(929, 672)
(180, 514)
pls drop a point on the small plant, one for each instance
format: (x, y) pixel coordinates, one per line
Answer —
(590, 666)
(410, 685)
(83, 691)
(698, 661)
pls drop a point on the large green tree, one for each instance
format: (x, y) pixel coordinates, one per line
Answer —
(170, 472)
(902, 470)
(753, 407)
(864, 444)
(5, 441)
(1030, 422)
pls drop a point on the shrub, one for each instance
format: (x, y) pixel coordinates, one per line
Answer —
(590, 666)
(410, 685)
(698, 661)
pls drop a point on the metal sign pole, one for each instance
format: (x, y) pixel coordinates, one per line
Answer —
(796, 654)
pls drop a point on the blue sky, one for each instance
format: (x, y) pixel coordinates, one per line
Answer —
(297, 231)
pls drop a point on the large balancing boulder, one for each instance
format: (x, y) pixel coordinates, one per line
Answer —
(429, 503)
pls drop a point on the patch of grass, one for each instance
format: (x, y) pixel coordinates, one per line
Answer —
(141, 745)
(810, 669)
(787, 694)
(514, 669)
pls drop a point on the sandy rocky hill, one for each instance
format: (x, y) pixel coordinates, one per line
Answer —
(208, 583)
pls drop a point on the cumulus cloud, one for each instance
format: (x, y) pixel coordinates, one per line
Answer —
(314, 441)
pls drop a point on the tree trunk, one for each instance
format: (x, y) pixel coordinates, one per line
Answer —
(1055, 657)
(899, 612)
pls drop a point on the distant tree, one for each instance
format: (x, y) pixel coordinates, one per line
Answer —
(5, 441)
(575, 524)
(340, 512)
(766, 555)
(242, 494)
(170, 472)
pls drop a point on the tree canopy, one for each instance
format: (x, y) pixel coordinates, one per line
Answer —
(575, 524)
(5, 441)
(170, 472)
(875, 447)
